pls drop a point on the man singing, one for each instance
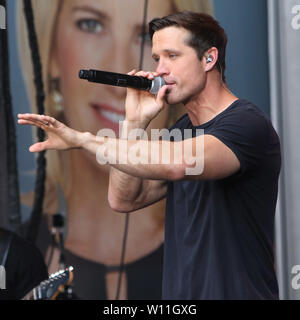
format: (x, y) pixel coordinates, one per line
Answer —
(219, 225)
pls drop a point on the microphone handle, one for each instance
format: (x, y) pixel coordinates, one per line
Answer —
(116, 79)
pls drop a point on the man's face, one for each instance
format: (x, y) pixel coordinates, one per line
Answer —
(178, 64)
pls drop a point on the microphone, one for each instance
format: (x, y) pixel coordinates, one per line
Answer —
(123, 80)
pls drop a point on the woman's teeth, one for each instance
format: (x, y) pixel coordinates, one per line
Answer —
(112, 116)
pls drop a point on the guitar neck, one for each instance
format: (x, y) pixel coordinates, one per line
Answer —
(49, 289)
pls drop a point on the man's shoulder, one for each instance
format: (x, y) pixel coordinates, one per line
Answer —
(245, 115)
(246, 108)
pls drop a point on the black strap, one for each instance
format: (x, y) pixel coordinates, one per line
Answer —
(37, 211)
(5, 241)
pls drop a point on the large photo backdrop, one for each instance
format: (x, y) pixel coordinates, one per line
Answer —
(109, 35)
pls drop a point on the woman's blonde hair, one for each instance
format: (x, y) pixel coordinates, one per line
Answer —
(46, 16)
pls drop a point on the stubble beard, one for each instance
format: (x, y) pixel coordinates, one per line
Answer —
(177, 100)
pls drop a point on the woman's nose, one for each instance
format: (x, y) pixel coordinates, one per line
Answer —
(120, 60)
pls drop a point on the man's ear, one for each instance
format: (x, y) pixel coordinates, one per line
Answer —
(211, 57)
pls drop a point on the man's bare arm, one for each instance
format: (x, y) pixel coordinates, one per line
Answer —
(217, 160)
(139, 193)
(127, 193)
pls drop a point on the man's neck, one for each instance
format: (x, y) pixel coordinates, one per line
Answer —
(213, 100)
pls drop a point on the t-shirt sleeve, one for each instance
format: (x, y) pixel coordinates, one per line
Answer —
(246, 132)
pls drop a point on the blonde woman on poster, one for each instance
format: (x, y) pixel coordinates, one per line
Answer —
(105, 35)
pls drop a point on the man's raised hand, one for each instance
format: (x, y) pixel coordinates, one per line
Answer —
(60, 137)
(142, 106)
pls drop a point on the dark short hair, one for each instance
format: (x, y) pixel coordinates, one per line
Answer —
(206, 32)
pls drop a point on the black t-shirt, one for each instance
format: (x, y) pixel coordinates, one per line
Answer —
(219, 233)
(25, 268)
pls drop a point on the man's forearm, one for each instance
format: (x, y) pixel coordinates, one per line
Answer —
(135, 158)
(124, 188)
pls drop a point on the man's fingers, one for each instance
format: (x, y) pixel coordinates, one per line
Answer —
(140, 74)
(28, 122)
(146, 74)
(54, 129)
(161, 94)
(132, 72)
(37, 120)
(36, 117)
(48, 120)
(38, 124)
(30, 116)
(38, 147)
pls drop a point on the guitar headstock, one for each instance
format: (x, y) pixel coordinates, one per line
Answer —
(49, 289)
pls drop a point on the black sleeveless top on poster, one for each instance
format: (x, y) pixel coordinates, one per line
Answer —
(219, 234)
(143, 276)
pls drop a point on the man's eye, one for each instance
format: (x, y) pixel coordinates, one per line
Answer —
(172, 55)
(90, 25)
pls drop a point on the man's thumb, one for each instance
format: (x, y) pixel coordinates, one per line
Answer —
(162, 93)
(37, 147)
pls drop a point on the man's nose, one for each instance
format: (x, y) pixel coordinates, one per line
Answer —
(162, 68)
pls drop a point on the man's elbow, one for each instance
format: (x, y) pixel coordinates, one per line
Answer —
(175, 173)
(119, 206)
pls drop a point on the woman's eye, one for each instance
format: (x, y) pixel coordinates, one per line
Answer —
(90, 25)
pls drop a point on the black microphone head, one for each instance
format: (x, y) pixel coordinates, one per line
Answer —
(83, 74)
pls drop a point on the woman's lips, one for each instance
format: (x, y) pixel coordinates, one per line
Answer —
(108, 115)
